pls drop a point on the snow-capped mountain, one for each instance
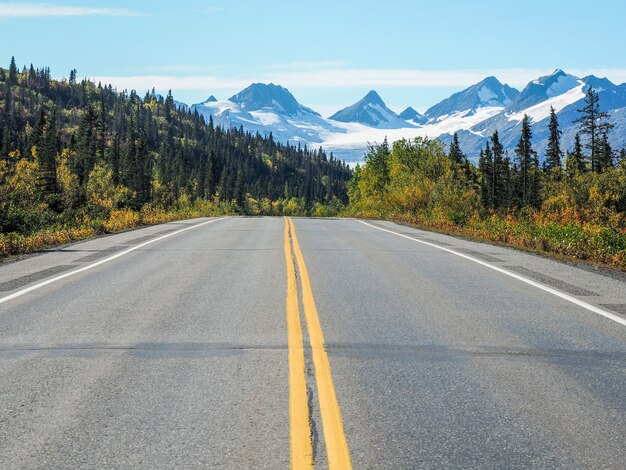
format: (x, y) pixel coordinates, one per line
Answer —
(474, 113)
(489, 93)
(544, 88)
(267, 108)
(270, 97)
(563, 92)
(371, 111)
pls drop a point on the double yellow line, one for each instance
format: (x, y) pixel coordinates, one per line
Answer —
(337, 450)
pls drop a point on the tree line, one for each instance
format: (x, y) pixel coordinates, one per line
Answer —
(572, 203)
(507, 183)
(88, 148)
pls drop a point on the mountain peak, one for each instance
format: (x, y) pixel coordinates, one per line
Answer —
(489, 92)
(544, 88)
(267, 95)
(410, 114)
(372, 111)
(374, 98)
(597, 83)
(211, 99)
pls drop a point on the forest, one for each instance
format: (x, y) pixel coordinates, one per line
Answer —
(79, 158)
(573, 205)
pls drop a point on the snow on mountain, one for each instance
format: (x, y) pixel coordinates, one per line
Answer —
(271, 97)
(598, 84)
(563, 92)
(542, 89)
(487, 93)
(541, 110)
(475, 113)
(371, 111)
(267, 108)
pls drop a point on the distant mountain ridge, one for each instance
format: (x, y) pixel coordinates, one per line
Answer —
(486, 93)
(372, 111)
(474, 113)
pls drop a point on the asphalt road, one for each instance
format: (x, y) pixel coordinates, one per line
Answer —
(168, 347)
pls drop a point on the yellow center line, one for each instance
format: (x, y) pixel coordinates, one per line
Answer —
(299, 426)
(334, 436)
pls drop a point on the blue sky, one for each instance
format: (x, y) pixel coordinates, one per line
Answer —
(328, 53)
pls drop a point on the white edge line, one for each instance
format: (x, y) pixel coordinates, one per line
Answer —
(538, 285)
(98, 263)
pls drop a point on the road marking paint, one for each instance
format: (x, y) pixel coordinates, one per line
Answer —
(334, 436)
(536, 284)
(299, 425)
(98, 263)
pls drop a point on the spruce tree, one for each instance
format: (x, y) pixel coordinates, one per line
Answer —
(605, 152)
(455, 154)
(46, 155)
(12, 80)
(500, 179)
(576, 162)
(594, 123)
(553, 150)
(524, 154)
(485, 165)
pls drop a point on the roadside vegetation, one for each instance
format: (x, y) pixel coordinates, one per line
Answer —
(79, 159)
(572, 205)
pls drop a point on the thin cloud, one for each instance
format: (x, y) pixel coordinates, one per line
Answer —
(30, 10)
(166, 82)
(346, 79)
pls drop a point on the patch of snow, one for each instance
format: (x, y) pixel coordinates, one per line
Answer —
(541, 110)
(267, 118)
(486, 94)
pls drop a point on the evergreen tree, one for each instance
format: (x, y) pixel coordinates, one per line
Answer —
(605, 152)
(85, 159)
(594, 123)
(455, 154)
(553, 150)
(12, 80)
(116, 159)
(576, 162)
(485, 164)
(524, 154)
(500, 180)
(47, 154)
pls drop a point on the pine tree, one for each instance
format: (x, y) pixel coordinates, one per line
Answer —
(594, 123)
(47, 154)
(500, 180)
(524, 154)
(605, 152)
(12, 80)
(553, 150)
(85, 159)
(238, 192)
(576, 162)
(116, 159)
(455, 154)
(485, 165)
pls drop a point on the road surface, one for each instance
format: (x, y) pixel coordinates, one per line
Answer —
(260, 343)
